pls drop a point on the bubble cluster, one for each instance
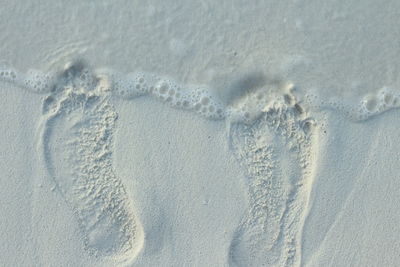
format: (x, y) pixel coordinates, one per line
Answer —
(130, 85)
(373, 104)
(86, 80)
(370, 105)
(38, 81)
(205, 104)
(8, 75)
(194, 98)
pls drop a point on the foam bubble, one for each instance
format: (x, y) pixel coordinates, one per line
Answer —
(370, 103)
(205, 101)
(162, 87)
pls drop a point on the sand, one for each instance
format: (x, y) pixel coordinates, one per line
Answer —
(220, 133)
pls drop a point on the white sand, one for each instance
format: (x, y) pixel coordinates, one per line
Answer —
(212, 133)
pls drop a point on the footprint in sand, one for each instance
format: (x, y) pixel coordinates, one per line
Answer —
(77, 144)
(275, 149)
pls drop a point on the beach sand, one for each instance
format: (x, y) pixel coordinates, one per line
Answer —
(212, 133)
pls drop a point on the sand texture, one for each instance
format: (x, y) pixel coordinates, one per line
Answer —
(211, 133)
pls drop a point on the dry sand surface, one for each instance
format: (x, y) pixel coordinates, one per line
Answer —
(200, 133)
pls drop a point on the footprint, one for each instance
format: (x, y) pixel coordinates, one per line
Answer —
(275, 152)
(77, 144)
